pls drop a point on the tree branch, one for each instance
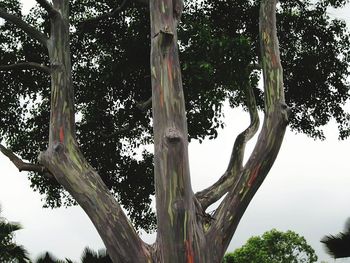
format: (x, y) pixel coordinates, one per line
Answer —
(245, 185)
(106, 15)
(255, 66)
(66, 162)
(25, 65)
(48, 7)
(143, 106)
(216, 191)
(31, 31)
(24, 166)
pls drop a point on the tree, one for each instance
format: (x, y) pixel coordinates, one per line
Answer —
(186, 233)
(9, 250)
(48, 258)
(274, 247)
(112, 100)
(338, 245)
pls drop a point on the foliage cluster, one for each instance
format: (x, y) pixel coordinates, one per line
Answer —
(274, 247)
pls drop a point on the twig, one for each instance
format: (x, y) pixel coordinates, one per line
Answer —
(25, 65)
(104, 16)
(144, 105)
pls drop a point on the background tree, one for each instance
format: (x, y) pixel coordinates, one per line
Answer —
(186, 233)
(9, 250)
(88, 256)
(274, 247)
(48, 258)
(338, 245)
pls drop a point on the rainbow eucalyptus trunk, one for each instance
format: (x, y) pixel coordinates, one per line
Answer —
(186, 233)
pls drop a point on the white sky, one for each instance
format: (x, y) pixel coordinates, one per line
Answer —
(307, 191)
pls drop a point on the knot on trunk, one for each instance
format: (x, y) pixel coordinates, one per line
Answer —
(56, 66)
(58, 147)
(286, 111)
(43, 158)
(173, 135)
(165, 38)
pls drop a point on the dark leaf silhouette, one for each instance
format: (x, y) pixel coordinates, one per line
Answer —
(338, 246)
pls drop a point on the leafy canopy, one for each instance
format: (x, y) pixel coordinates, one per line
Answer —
(111, 73)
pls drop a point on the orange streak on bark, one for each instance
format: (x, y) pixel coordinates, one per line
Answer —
(274, 60)
(254, 175)
(61, 134)
(189, 252)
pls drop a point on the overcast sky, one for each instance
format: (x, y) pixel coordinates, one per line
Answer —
(307, 191)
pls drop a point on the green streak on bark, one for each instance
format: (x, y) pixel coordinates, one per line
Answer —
(154, 73)
(185, 226)
(170, 204)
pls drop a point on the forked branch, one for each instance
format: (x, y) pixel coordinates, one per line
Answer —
(30, 30)
(270, 138)
(24, 66)
(216, 191)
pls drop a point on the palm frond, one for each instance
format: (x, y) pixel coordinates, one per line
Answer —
(338, 246)
(90, 256)
(46, 258)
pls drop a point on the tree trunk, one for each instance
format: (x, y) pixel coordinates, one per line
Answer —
(181, 235)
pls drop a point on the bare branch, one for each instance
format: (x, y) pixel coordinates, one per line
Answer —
(31, 31)
(216, 191)
(24, 166)
(25, 65)
(143, 106)
(104, 16)
(48, 7)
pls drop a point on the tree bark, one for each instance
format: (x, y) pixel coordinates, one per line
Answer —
(180, 238)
